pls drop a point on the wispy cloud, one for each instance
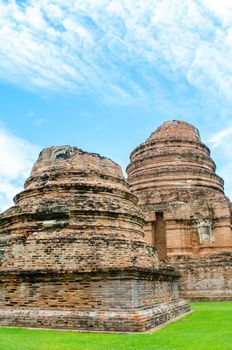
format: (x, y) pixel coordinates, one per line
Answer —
(221, 137)
(221, 143)
(17, 157)
(116, 47)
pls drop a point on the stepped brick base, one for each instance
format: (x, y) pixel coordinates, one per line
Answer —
(208, 279)
(116, 300)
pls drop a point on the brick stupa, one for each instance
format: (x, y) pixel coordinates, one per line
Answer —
(73, 253)
(188, 216)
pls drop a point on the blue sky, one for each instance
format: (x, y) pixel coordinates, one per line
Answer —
(102, 75)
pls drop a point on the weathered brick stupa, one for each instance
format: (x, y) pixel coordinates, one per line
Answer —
(73, 254)
(188, 217)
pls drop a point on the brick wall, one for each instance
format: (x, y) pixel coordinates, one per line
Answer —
(126, 300)
(172, 172)
(68, 248)
(206, 280)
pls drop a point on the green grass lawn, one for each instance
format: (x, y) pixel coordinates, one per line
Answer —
(209, 327)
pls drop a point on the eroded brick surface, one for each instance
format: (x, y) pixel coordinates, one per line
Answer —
(174, 177)
(73, 252)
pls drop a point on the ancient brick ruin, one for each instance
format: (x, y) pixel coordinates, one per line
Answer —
(84, 249)
(73, 253)
(188, 217)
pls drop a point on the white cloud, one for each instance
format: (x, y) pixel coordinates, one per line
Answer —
(17, 157)
(116, 46)
(221, 9)
(221, 137)
(221, 143)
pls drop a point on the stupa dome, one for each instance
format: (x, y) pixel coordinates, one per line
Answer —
(175, 129)
(75, 212)
(173, 157)
(73, 252)
(188, 216)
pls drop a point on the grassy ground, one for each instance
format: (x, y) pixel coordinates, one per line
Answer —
(209, 327)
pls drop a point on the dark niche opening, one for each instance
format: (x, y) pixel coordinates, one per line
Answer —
(159, 236)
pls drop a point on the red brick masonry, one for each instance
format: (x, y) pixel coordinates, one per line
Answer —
(188, 216)
(73, 252)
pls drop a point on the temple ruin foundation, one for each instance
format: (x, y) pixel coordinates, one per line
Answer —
(73, 252)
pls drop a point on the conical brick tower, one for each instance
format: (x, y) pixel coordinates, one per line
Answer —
(188, 216)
